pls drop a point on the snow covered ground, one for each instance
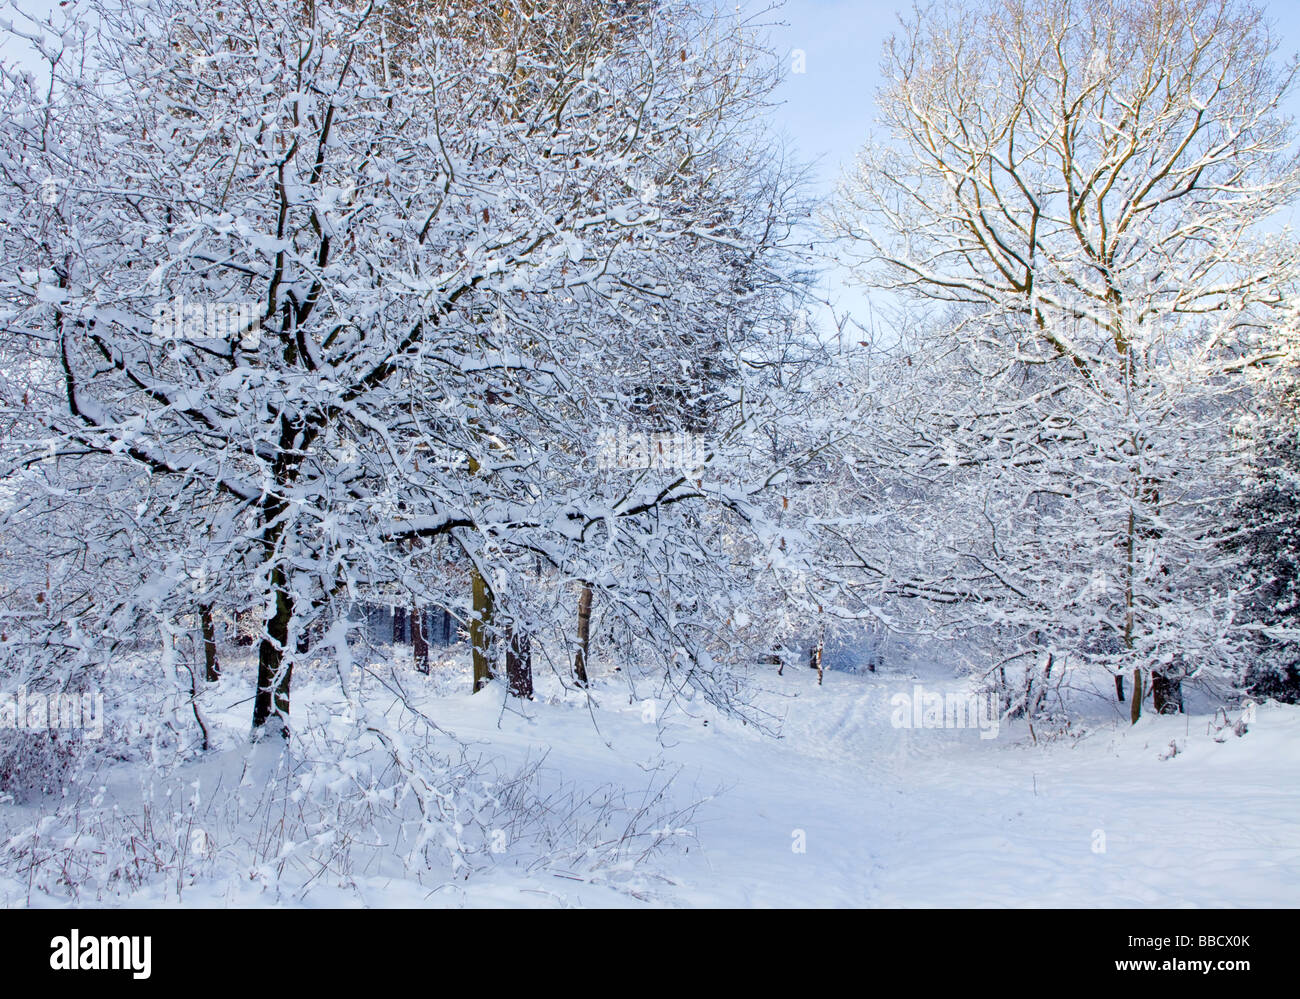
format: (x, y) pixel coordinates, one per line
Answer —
(843, 809)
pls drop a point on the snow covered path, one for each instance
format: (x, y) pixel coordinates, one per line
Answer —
(844, 809)
(923, 817)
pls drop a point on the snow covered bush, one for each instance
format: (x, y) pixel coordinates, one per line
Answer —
(33, 764)
(363, 794)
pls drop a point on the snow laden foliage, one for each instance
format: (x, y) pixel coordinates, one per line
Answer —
(367, 797)
(1262, 530)
(310, 306)
(1072, 193)
(1004, 499)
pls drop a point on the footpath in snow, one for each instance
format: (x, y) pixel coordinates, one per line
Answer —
(844, 808)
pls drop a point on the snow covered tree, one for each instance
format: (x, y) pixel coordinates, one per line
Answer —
(1264, 527)
(323, 289)
(1082, 183)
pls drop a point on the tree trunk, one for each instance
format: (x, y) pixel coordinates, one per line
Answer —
(274, 668)
(584, 636)
(1167, 693)
(519, 663)
(419, 643)
(1119, 688)
(479, 623)
(399, 626)
(815, 657)
(1136, 710)
(212, 668)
